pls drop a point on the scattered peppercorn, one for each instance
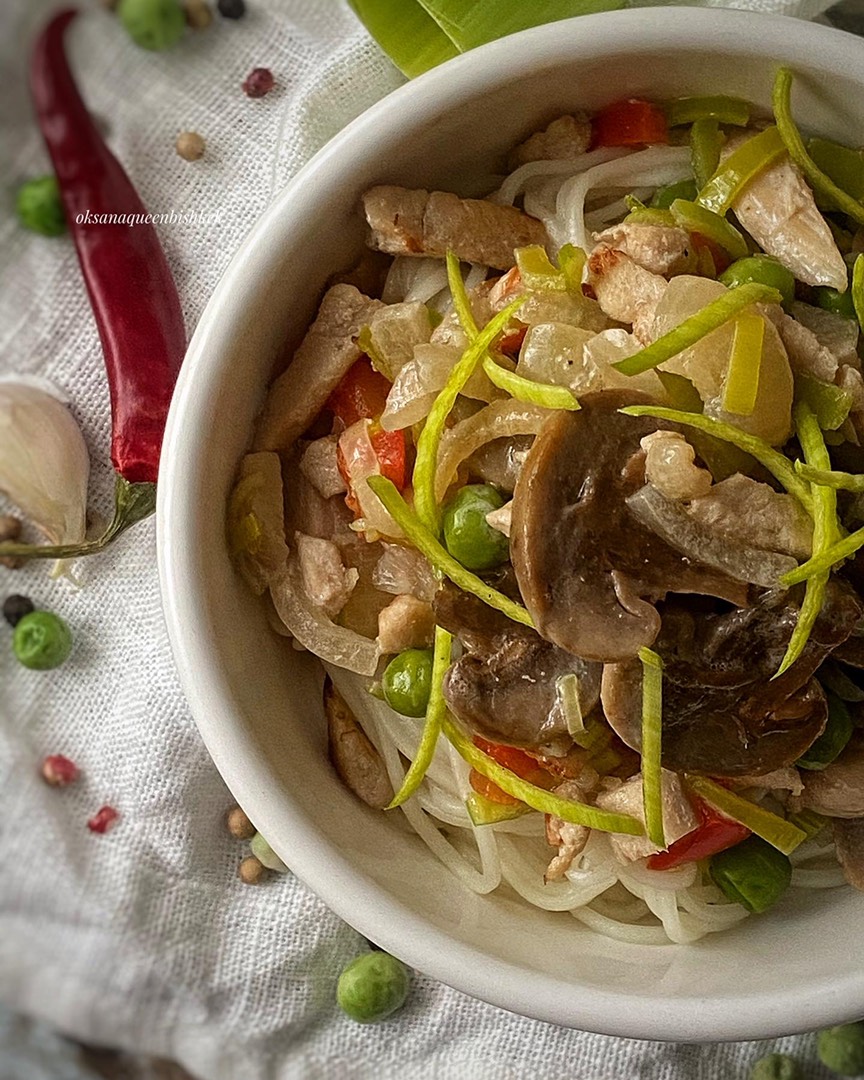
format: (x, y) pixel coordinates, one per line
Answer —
(239, 825)
(841, 1048)
(40, 207)
(16, 607)
(104, 819)
(231, 9)
(42, 640)
(10, 529)
(251, 871)
(266, 855)
(58, 771)
(258, 83)
(198, 14)
(152, 24)
(189, 145)
(776, 1067)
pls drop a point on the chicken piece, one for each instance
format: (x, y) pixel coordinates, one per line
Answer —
(327, 351)
(403, 570)
(670, 466)
(850, 380)
(777, 208)
(625, 291)
(502, 518)
(679, 818)
(787, 779)
(359, 765)
(326, 581)
(567, 137)
(835, 332)
(320, 465)
(807, 355)
(662, 249)
(406, 623)
(838, 790)
(570, 839)
(417, 222)
(751, 512)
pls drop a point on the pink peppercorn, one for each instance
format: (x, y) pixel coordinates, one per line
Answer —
(258, 82)
(103, 820)
(58, 771)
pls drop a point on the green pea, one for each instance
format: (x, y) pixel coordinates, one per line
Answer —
(372, 987)
(776, 1067)
(682, 189)
(831, 300)
(266, 855)
(763, 269)
(40, 207)
(407, 682)
(468, 536)
(753, 874)
(42, 640)
(841, 1048)
(152, 24)
(838, 732)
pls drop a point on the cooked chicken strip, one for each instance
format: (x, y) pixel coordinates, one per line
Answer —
(625, 291)
(566, 137)
(407, 222)
(662, 249)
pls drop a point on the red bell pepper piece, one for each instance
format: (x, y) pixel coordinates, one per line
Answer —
(632, 122)
(362, 395)
(512, 758)
(714, 833)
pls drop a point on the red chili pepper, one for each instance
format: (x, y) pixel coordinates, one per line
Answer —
(714, 833)
(362, 395)
(490, 790)
(631, 122)
(516, 760)
(131, 290)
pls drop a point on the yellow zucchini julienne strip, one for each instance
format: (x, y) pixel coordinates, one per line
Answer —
(742, 165)
(745, 361)
(774, 830)
(858, 290)
(652, 724)
(427, 544)
(545, 802)
(435, 711)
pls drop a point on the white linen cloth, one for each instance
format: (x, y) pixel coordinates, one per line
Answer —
(144, 938)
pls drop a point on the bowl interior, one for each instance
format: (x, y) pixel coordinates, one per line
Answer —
(256, 701)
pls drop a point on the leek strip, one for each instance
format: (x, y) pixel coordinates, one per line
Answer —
(699, 219)
(774, 830)
(483, 811)
(809, 822)
(776, 463)
(841, 164)
(435, 711)
(461, 300)
(691, 330)
(826, 529)
(858, 289)
(430, 438)
(572, 261)
(833, 478)
(426, 543)
(742, 376)
(536, 270)
(823, 562)
(649, 215)
(742, 166)
(409, 36)
(652, 723)
(830, 404)
(821, 183)
(546, 802)
(727, 110)
(705, 142)
(517, 386)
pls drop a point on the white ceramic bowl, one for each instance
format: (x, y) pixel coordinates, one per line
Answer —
(256, 701)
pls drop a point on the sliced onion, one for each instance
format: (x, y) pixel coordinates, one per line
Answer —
(410, 278)
(669, 520)
(501, 419)
(314, 630)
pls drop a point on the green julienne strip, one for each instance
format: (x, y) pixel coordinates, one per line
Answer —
(687, 333)
(430, 438)
(461, 300)
(652, 723)
(774, 830)
(858, 289)
(742, 166)
(537, 393)
(546, 802)
(776, 463)
(822, 563)
(427, 544)
(820, 181)
(435, 712)
(833, 478)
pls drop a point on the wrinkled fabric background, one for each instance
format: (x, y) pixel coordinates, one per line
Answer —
(144, 938)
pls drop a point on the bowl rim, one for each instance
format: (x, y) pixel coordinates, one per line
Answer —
(241, 762)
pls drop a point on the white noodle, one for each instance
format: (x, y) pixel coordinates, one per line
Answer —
(518, 181)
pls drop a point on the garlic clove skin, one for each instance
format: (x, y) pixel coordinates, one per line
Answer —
(44, 463)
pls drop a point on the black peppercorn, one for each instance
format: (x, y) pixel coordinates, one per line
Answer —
(232, 9)
(15, 608)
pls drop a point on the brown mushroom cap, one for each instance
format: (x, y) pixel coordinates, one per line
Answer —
(838, 790)
(588, 571)
(723, 713)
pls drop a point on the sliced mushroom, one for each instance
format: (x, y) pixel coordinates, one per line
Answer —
(723, 713)
(355, 759)
(505, 685)
(849, 841)
(588, 571)
(838, 790)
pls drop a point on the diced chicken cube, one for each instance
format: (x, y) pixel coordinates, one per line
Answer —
(406, 623)
(416, 222)
(567, 137)
(670, 465)
(624, 290)
(570, 839)
(326, 580)
(320, 465)
(662, 249)
(807, 355)
(679, 818)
